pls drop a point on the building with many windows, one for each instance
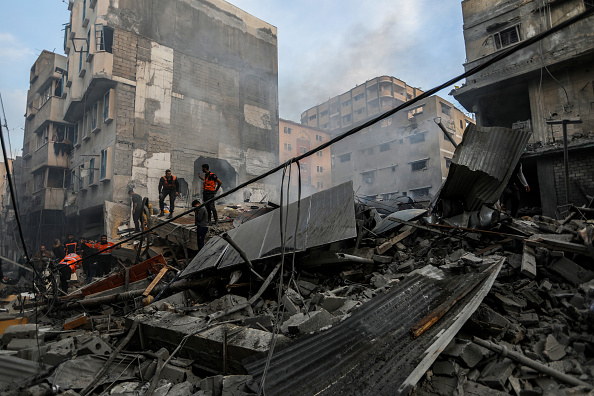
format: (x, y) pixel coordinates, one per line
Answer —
(296, 139)
(535, 87)
(406, 154)
(156, 85)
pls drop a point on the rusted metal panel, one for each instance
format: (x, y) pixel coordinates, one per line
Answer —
(137, 272)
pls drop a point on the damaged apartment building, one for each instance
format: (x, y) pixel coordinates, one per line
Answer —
(406, 154)
(536, 88)
(150, 86)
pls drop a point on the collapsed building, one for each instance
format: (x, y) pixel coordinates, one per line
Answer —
(536, 89)
(406, 154)
(144, 88)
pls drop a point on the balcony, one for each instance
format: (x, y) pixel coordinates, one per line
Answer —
(47, 155)
(371, 95)
(50, 111)
(49, 198)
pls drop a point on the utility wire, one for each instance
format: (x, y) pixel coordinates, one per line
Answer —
(387, 114)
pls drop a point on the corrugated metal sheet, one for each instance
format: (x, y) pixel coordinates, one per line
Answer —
(372, 353)
(14, 369)
(324, 217)
(482, 165)
(407, 214)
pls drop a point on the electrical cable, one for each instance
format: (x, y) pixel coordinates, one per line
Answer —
(424, 95)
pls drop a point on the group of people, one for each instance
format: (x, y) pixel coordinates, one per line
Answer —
(95, 257)
(169, 187)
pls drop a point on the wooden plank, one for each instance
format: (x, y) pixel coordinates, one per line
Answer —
(528, 267)
(387, 245)
(75, 322)
(157, 279)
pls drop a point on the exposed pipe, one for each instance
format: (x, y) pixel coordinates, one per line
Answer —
(446, 132)
(530, 363)
(354, 259)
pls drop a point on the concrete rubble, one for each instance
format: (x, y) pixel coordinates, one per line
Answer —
(193, 336)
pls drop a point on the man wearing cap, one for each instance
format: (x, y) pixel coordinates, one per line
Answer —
(168, 185)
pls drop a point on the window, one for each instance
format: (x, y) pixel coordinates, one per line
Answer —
(99, 38)
(347, 103)
(345, 157)
(319, 138)
(360, 111)
(287, 130)
(103, 165)
(85, 126)
(106, 107)
(319, 168)
(417, 110)
(313, 117)
(72, 179)
(320, 185)
(84, 9)
(347, 118)
(319, 153)
(88, 43)
(93, 111)
(393, 168)
(80, 62)
(417, 138)
(368, 177)
(75, 136)
(419, 165)
(323, 113)
(45, 96)
(507, 37)
(288, 146)
(359, 97)
(445, 109)
(461, 124)
(81, 185)
(303, 166)
(325, 126)
(92, 171)
(448, 162)
(384, 147)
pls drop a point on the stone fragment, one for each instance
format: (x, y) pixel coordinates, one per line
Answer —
(570, 271)
(528, 266)
(496, 373)
(444, 385)
(24, 331)
(331, 303)
(379, 280)
(529, 319)
(545, 285)
(347, 307)
(445, 367)
(212, 386)
(259, 322)
(59, 351)
(552, 349)
(174, 374)
(514, 260)
(181, 389)
(289, 305)
(306, 288)
(471, 259)
(94, 346)
(467, 351)
(578, 301)
(475, 389)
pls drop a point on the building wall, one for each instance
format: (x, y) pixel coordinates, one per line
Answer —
(354, 107)
(581, 170)
(294, 140)
(189, 82)
(384, 161)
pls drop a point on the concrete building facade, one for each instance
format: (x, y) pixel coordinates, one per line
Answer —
(170, 84)
(296, 139)
(547, 81)
(406, 154)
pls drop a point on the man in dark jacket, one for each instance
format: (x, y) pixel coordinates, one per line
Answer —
(201, 222)
(168, 186)
(210, 187)
(136, 209)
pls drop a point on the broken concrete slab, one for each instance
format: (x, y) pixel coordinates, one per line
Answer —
(59, 351)
(96, 346)
(21, 331)
(465, 350)
(308, 322)
(445, 367)
(528, 266)
(234, 385)
(496, 373)
(571, 271)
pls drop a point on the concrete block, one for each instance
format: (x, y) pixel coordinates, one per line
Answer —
(331, 303)
(174, 374)
(212, 386)
(347, 307)
(24, 331)
(233, 385)
(289, 305)
(444, 385)
(306, 288)
(528, 266)
(17, 344)
(496, 373)
(529, 319)
(94, 346)
(570, 271)
(263, 322)
(471, 259)
(308, 323)
(181, 389)
(59, 351)
(445, 367)
(514, 260)
(475, 389)
(468, 352)
(33, 354)
(552, 349)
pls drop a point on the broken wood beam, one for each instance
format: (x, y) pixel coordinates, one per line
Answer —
(155, 281)
(530, 363)
(354, 259)
(384, 247)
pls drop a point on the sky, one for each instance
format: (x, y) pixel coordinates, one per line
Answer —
(325, 47)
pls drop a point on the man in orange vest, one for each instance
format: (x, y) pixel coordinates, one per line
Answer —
(168, 185)
(210, 186)
(104, 258)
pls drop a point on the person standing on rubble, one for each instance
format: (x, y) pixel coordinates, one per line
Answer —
(210, 187)
(168, 185)
(201, 222)
(58, 250)
(510, 199)
(136, 209)
(105, 257)
(70, 246)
